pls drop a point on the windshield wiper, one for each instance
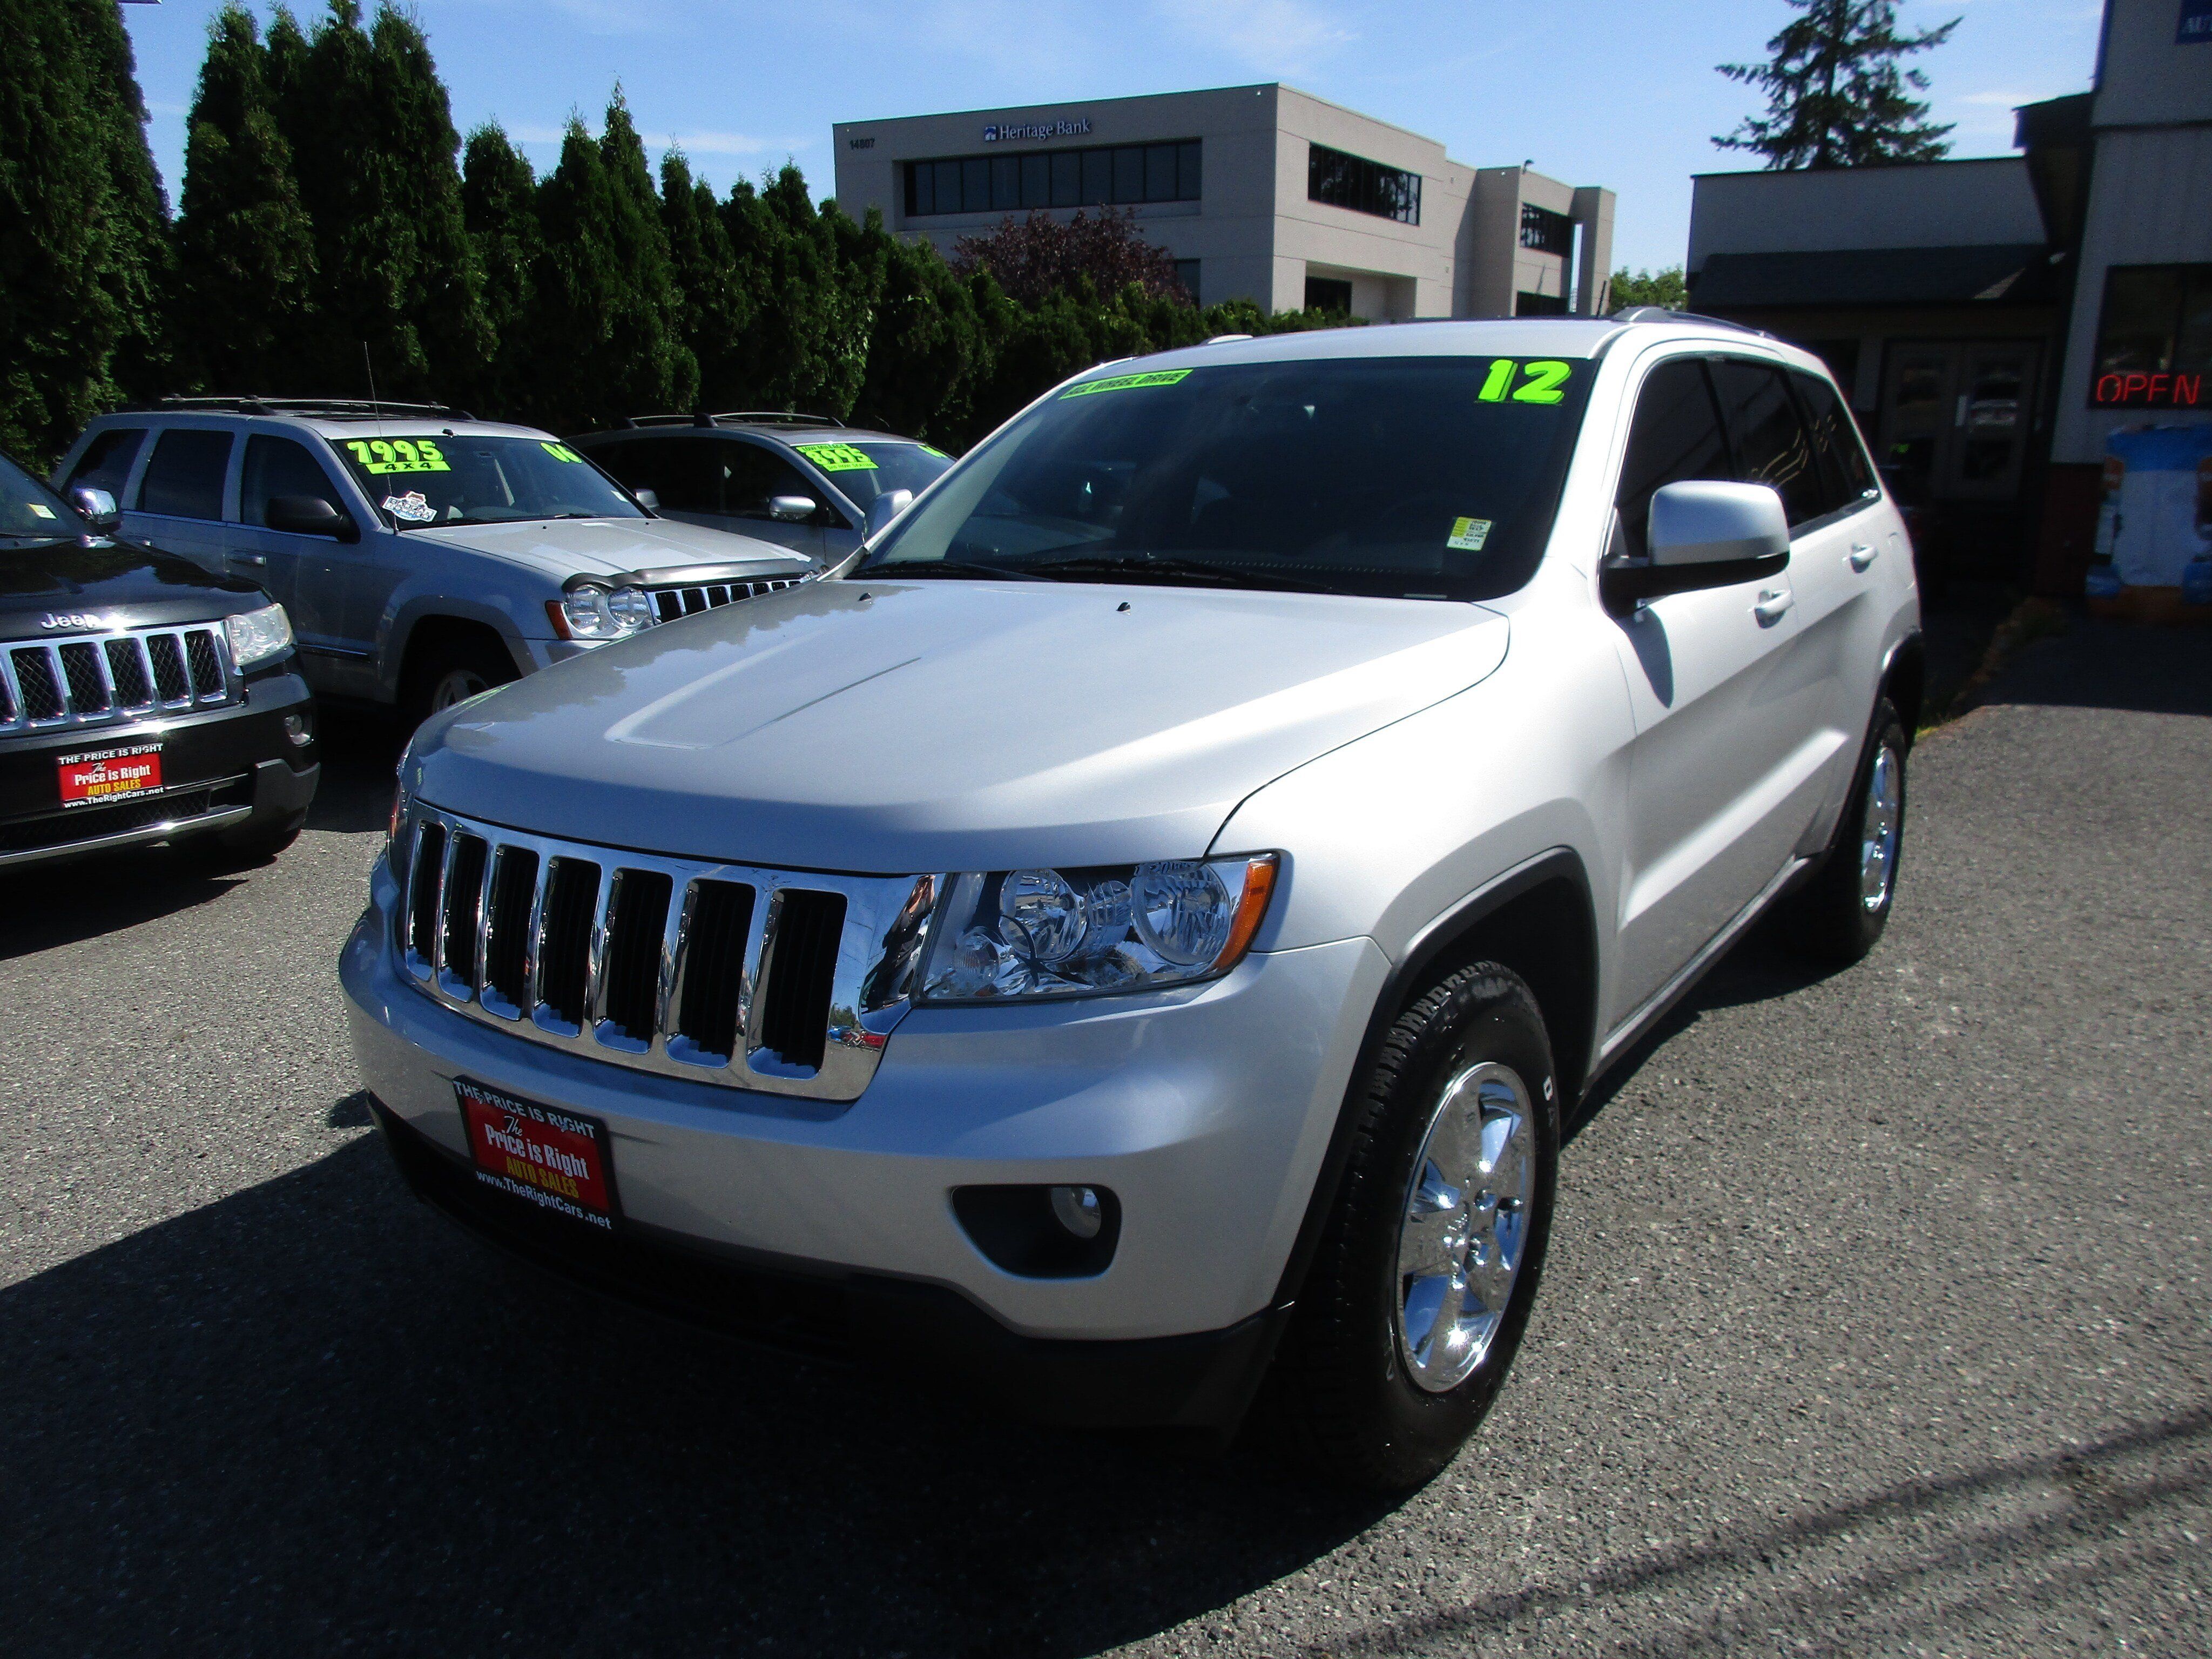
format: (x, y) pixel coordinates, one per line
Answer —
(1138, 570)
(893, 570)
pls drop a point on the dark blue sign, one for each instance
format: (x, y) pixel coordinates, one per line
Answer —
(2195, 26)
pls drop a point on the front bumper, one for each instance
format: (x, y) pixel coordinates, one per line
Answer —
(1206, 1112)
(233, 769)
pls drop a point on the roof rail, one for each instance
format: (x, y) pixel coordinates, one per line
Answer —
(755, 416)
(1661, 314)
(339, 407)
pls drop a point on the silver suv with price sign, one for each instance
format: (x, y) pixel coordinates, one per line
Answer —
(1135, 941)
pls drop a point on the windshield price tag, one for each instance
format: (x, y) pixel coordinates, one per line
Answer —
(562, 453)
(1128, 382)
(380, 456)
(1540, 382)
(836, 458)
(1467, 535)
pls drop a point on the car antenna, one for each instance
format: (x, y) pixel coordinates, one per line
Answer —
(372, 409)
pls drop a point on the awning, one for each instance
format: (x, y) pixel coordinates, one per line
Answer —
(2001, 274)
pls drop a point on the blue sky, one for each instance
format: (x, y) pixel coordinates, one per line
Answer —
(1614, 93)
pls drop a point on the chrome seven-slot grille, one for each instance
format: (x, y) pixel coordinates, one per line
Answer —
(781, 980)
(54, 685)
(670, 603)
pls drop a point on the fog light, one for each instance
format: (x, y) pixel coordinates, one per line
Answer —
(1077, 1209)
(297, 728)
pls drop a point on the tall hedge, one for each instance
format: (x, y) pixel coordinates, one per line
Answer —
(83, 225)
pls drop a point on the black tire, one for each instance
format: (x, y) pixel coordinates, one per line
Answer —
(1342, 1384)
(464, 662)
(243, 848)
(1830, 919)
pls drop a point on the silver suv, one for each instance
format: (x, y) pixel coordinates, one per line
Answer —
(1142, 932)
(423, 555)
(804, 482)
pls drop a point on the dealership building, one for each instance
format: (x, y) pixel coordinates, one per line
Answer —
(1264, 193)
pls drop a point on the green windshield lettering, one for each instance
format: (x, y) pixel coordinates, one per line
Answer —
(836, 458)
(1542, 386)
(562, 453)
(1128, 382)
(379, 457)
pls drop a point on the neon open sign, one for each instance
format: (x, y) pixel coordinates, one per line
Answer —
(2138, 389)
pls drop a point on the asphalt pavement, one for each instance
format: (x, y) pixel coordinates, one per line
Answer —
(1877, 1320)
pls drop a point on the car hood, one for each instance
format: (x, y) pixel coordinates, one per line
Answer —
(93, 582)
(892, 727)
(562, 547)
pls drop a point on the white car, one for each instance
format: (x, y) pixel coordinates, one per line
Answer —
(423, 555)
(1137, 938)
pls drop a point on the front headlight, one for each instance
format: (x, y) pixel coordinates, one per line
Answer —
(598, 613)
(257, 635)
(1086, 932)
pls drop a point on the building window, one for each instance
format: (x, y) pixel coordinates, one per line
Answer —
(1546, 232)
(1525, 304)
(1331, 293)
(2153, 338)
(1187, 278)
(1346, 181)
(1116, 175)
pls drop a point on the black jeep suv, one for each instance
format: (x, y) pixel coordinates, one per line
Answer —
(142, 698)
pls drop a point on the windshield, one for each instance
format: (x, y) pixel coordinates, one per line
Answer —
(865, 470)
(424, 478)
(1419, 477)
(30, 511)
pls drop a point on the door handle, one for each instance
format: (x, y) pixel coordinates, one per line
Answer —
(1773, 604)
(249, 558)
(1861, 556)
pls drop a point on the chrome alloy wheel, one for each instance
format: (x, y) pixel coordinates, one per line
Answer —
(1466, 1226)
(1878, 826)
(456, 686)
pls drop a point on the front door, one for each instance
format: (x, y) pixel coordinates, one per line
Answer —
(1718, 781)
(1956, 417)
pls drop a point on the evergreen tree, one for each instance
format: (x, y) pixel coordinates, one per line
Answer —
(82, 225)
(808, 345)
(1836, 91)
(374, 146)
(926, 348)
(245, 251)
(606, 330)
(498, 209)
(716, 307)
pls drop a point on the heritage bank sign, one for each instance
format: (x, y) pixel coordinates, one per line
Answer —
(1007, 132)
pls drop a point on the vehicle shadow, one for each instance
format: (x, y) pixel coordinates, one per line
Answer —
(360, 749)
(57, 905)
(313, 1414)
(2100, 663)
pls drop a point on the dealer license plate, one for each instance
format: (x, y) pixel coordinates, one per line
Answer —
(541, 1154)
(99, 775)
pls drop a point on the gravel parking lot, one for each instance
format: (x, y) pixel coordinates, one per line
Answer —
(1877, 1320)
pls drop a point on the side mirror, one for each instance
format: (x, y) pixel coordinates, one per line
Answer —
(98, 506)
(884, 508)
(308, 515)
(648, 499)
(1704, 521)
(791, 509)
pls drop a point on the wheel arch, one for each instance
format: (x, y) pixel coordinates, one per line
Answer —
(430, 623)
(1904, 682)
(1538, 920)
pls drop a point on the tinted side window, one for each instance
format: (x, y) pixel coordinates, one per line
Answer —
(1843, 463)
(278, 466)
(681, 472)
(185, 478)
(1772, 444)
(752, 474)
(1676, 434)
(107, 460)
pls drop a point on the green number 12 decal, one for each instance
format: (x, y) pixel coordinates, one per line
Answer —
(1542, 386)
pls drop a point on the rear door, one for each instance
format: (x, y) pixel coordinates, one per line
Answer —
(1722, 714)
(182, 492)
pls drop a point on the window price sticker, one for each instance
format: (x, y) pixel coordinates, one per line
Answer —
(1467, 535)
